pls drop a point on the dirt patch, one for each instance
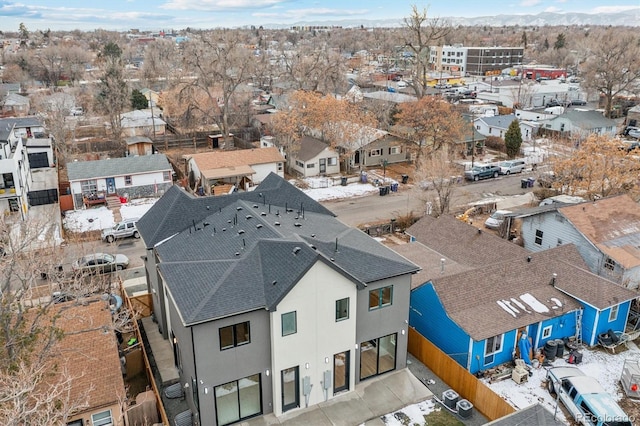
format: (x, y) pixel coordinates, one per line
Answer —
(396, 170)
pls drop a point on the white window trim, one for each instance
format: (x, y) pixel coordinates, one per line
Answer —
(546, 331)
(613, 313)
(101, 420)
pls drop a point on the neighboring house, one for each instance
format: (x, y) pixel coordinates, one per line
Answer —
(633, 116)
(315, 158)
(40, 181)
(499, 124)
(139, 145)
(14, 105)
(151, 95)
(271, 304)
(95, 370)
(242, 168)
(142, 122)
(606, 233)
(477, 293)
(15, 173)
(132, 177)
(580, 124)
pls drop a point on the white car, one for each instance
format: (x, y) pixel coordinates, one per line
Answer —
(496, 219)
(402, 84)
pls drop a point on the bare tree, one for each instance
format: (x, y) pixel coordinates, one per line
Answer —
(613, 65)
(422, 33)
(438, 177)
(113, 95)
(220, 62)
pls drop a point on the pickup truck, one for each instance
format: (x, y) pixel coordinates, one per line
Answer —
(482, 172)
(585, 399)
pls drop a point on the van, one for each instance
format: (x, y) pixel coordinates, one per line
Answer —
(124, 229)
(512, 166)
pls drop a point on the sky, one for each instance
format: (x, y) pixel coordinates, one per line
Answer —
(155, 15)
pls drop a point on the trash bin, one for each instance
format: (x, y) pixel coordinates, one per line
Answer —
(363, 177)
(394, 187)
(524, 183)
(382, 192)
(387, 189)
(530, 182)
(405, 178)
(343, 181)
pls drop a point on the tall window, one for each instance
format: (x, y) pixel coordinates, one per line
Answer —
(127, 180)
(238, 400)
(613, 313)
(89, 186)
(539, 234)
(380, 297)
(234, 335)
(493, 345)
(342, 309)
(289, 325)
(102, 419)
(546, 332)
(377, 356)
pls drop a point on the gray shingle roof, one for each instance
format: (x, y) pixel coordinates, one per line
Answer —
(234, 251)
(590, 119)
(310, 147)
(81, 170)
(499, 121)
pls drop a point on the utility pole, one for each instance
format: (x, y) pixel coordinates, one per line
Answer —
(473, 137)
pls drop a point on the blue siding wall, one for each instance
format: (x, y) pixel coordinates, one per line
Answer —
(616, 325)
(428, 317)
(505, 354)
(589, 319)
(564, 326)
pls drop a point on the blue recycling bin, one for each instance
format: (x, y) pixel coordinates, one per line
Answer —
(530, 182)
(394, 187)
(363, 177)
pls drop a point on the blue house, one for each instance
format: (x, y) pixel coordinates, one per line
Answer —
(476, 293)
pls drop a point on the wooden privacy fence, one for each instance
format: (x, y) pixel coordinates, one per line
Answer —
(491, 405)
(142, 304)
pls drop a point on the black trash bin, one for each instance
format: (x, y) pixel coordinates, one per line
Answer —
(382, 190)
(524, 183)
(405, 178)
(343, 181)
(387, 189)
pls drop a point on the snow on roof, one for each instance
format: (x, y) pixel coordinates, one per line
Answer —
(535, 304)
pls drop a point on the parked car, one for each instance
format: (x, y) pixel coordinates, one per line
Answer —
(124, 229)
(633, 132)
(578, 102)
(585, 398)
(401, 84)
(482, 172)
(76, 111)
(512, 166)
(100, 263)
(553, 103)
(496, 219)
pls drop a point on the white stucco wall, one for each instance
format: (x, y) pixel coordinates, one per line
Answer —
(318, 335)
(262, 170)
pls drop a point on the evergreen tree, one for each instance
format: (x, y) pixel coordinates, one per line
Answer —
(560, 41)
(138, 100)
(546, 44)
(524, 39)
(513, 139)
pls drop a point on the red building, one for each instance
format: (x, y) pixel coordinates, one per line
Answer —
(546, 73)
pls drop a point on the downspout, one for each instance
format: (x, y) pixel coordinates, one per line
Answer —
(195, 373)
(470, 357)
(537, 345)
(595, 328)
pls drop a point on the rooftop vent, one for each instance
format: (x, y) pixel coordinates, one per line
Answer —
(229, 221)
(248, 217)
(314, 247)
(274, 282)
(238, 208)
(263, 214)
(240, 231)
(237, 253)
(255, 206)
(277, 224)
(224, 229)
(205, 224)
(296, 250)
(297, 224)
(528, 259)
(259, 226)
(313, 235)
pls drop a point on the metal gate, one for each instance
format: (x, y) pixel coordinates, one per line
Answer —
(40, 198)
(38, 160)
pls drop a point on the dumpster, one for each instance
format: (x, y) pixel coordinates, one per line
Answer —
(343, 181)
(524, 183)
(405, 178)
(394, 187)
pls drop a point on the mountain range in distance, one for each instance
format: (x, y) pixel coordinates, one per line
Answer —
(627, 18)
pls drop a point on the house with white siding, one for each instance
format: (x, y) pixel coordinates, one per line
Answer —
(315, 158)
(606, 233)
(579, 124)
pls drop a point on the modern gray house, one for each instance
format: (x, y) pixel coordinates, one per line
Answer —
(270, 303)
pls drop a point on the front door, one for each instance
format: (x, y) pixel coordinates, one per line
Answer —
(290, 388)
(323, 165)
(111, 185)
(341, 372)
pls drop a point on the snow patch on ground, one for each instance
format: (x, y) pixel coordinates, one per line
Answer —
(415, 413)
(338, 191)
(93, 219)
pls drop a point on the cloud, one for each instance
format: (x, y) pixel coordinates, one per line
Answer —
(529, 3)
(217, 5)
(613, 9)
(553, 9)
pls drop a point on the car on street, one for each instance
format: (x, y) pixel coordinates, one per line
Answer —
(512, 166)
(99, 263)
(482, 172)
(632, 132)
(585, 398)
(124, 229)
(578, 102)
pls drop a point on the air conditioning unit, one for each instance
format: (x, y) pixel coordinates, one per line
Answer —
(465, 408)
(450, 398)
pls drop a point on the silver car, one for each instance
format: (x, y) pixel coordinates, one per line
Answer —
(512, 166)
(100, 263)
(124, 229)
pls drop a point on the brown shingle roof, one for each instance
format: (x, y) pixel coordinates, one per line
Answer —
(463, 243)
(241, 157)
(612, 224)
(89, 351)
(310, 147)
(430, 262)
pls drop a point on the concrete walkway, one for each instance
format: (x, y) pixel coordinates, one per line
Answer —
(162, 352)
(370, 400)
